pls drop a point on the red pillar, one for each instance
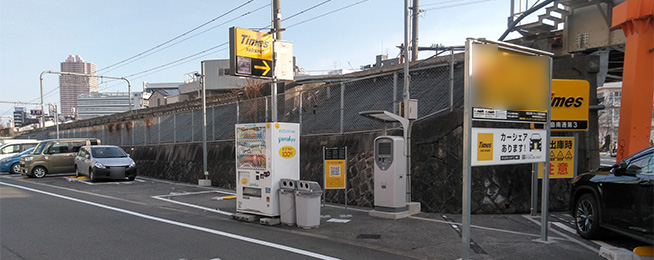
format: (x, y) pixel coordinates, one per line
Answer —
(636, 18)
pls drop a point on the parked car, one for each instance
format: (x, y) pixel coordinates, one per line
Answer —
(104, 162)
(15, 146)
(12, 164)
(53, 156)
(618, 198)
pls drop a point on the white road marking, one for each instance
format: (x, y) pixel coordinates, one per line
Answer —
(456, 225)
(180, 224)
(192, 205)
(564, 227)
(564, 235)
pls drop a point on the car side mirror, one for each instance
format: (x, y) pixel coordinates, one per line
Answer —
(619, 169)
(87, 156)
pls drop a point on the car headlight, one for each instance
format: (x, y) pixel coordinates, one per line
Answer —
(132, 164)
(5, 160)
(98, 165)
(28, 158)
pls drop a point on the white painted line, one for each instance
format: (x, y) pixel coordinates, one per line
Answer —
(173, 194)
(343, 207)
(194, 206)
(456, 225)
(564, 227)
(564, 235)
(184, 225)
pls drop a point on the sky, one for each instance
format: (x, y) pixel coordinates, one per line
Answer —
(36, 36)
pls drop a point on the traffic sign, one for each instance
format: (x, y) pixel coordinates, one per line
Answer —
(250, 53)
(562, 158)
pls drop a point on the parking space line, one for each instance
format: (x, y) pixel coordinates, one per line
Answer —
(564, 235)
(480, 227)
(564, 227)
(180, 224)
(192, 205)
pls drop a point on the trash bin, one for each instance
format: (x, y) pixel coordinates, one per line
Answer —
(287, 188)
(307, 204)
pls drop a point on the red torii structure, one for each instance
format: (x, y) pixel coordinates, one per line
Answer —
(636, 19)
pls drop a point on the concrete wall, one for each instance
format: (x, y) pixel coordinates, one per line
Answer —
(436, 163)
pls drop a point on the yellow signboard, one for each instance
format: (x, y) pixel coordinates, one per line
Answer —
(508, 85)
(251, 52)
(569, 105)
(334, 174)
(253, 44)
(562, 158)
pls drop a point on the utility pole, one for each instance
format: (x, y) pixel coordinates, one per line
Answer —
(277, 35)
(414, 31)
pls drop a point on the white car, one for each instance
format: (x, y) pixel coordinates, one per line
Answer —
(104, 162)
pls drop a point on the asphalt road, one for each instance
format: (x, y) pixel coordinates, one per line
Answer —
(66, 218)
(40, 221)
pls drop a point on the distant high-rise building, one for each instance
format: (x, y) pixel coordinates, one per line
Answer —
(71, 86)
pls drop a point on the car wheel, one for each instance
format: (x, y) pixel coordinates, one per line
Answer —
(14, 169)
(91, 175)
(39, 172)
(131, 178)
(76, 172)
(587, 216)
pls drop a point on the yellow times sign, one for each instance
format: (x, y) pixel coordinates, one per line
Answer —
(562, 158)
(253, 44)
(334, 174)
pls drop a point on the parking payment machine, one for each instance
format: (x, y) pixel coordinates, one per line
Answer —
(390, 174)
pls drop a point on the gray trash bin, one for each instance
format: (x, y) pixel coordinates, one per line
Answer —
(287, 188)
(307, 204)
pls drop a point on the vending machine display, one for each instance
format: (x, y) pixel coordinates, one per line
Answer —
(265, 154)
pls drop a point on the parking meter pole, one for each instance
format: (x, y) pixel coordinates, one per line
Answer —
(534, 189)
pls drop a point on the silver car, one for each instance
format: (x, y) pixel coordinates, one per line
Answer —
(104, 162)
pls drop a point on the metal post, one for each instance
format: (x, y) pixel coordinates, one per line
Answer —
(159, 130)
(451, 79)
(42, 114)
(277, 35)
(545, 194)
(174, 128)
(300, 112)
(395, 102)
(407, 80)
(467, 156)
(204, 128)
(345, 171)
(534, 189)
(414, 33)
(342, 105)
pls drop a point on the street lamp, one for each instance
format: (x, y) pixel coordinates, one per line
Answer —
(206, 181)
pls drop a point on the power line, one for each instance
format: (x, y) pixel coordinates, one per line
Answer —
(305, 10)
(177, 37)
(328, 13)
(455, 5)
(192, 36)
(440, 2)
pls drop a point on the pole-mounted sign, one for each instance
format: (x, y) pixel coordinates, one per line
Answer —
(250, 53)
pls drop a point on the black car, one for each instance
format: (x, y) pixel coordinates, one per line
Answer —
(619, 198)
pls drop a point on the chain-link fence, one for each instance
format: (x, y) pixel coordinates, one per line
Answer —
(330, 108)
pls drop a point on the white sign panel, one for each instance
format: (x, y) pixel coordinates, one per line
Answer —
(496, 146)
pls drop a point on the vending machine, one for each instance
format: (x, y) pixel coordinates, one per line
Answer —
(265, 154)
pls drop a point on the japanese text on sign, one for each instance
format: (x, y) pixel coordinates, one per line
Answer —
(507, 146)
(562, 151)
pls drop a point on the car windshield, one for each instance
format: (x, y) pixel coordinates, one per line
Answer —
(28, 151)
(39, 148)
(108, 152)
